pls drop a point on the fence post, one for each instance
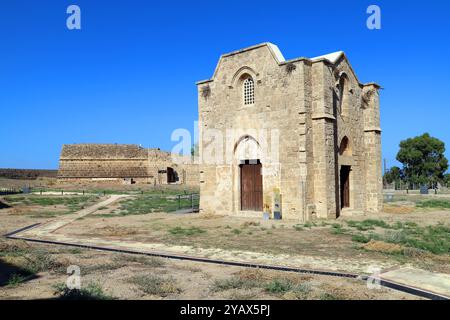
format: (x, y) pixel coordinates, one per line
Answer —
(192, 202)
(179, 202)
(62, 192)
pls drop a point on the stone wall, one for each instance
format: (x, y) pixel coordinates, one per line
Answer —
(103, 161)
(277, 111)
(27, 174)
(120, 163)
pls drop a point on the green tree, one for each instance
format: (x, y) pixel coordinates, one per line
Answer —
(447, 179)
(394, 174)
(423, 159)
(194, 150)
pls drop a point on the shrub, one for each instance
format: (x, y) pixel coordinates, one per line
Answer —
(92, 291)
(250, 224)
(434, 239)
(360, 238)
(40, 260)
(395, 236)
(279, 286)
(156, 285)
(206, 91)
(15, 280)
(337, 229)
(330, 296)
(153, 262)
(368, 224)
(180, 231)
(299, 292)
(290, 67)
(443, 204)
(308, 225)
(227, 284)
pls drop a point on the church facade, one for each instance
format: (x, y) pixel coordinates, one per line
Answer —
(297, 139)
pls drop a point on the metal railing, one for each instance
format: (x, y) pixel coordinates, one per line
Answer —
(188, 201)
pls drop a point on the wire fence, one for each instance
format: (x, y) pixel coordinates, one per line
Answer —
(425, 188)
(10, 191)
(190, 202)
(161, 200)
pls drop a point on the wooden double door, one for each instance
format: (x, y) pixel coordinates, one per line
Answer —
(251, 186)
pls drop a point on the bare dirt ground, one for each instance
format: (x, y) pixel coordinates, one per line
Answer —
(114, 275)
(135, 277)
(122, 276)
(323, 243)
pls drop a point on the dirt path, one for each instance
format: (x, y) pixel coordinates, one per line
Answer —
(62, 221)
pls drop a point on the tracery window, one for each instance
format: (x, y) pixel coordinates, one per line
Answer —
(249, 91)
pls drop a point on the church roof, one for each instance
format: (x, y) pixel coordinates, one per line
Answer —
(278, 56)
(332, 57)
(276, 52)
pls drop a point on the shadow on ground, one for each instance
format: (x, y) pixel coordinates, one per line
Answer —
(4, 205)
(78, 296)
(9, 271)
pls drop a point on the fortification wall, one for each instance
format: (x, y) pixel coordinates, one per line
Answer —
(27, 174)
(125, 164)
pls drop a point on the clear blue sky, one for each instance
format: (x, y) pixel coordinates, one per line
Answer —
(129, 75)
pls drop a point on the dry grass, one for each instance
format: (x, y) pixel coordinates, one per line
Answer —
(259, 283)
(156, 285)
(175, 279)
(252, 275)
(126, 259)
(13, 247)
(397, 209)
(250, 294)
(247, 224)
(93, 291)
(30, 260)
(209, 216)
(381, 246)
(190, 269)
(115, 231)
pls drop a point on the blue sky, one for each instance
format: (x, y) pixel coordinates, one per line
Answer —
(129, 75)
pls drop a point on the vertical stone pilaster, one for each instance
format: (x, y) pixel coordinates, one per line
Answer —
(324, 150)
(374, 185)
(372, 143)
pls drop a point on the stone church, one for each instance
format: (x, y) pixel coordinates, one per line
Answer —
(297, 139)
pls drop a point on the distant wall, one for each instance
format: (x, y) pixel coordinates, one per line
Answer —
(27, 174)
(120, 163)
(191, 174)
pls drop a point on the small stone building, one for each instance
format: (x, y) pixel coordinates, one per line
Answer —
(126, 163)
(298, 138)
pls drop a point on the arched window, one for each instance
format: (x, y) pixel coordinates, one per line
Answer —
(344, 94)
(342, 88)
(249, 91)
(345, 148)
